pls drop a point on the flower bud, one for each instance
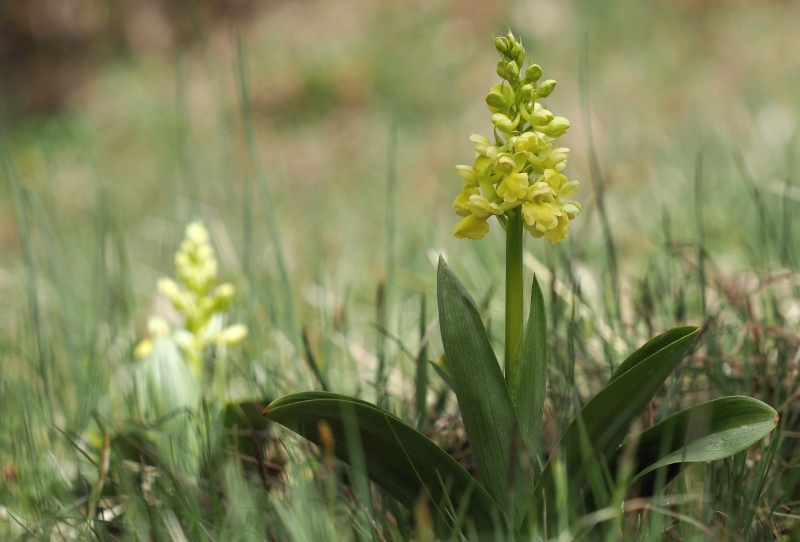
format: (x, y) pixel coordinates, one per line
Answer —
(557, 127)
(545, 89)
(501, 69)
(540, 117)
(526, 92)
(496, 101)
(222, 295)
(501, 44)
(503, 123)
(169, 288)
(515, 50)
(512, 72)
(533, 73)
(196, 233)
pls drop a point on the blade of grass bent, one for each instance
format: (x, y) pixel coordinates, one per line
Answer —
(398, 458)
(480, 387)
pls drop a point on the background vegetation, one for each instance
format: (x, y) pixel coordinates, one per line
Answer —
(317, 142)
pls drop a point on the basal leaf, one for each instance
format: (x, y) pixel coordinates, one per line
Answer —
(486, 408)
(706, 432)
(604, 421)
(397, 457)
(533, 373)
(649, 348)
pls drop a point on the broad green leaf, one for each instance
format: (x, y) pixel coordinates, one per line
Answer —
(533, 374)
(486, 408)
(398, 458)
(605, 420)
(649, 348)
(706, 432)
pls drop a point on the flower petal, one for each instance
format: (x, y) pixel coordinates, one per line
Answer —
(468, 174)
(480, 207)
(568, 190)
(513, 186)
(460, 203)
(471, 227)
(559, 233)
(541, 216)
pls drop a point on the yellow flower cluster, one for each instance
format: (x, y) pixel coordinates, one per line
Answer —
(523, 166)
(196, 298)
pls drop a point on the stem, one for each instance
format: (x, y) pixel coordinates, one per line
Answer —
(513, 300)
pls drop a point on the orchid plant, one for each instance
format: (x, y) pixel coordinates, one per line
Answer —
(518, 177)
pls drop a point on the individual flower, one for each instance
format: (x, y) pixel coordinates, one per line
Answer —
(548, 209)
(471, 227)
(513, 186)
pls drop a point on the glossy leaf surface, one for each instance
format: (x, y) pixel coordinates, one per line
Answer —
(397, 457)
(707, 432)
(486, 408)
(605, 420)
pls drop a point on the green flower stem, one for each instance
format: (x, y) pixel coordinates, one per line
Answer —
(513, 300)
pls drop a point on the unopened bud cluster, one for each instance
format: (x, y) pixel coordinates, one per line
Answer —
(195, 296)
(522, 165)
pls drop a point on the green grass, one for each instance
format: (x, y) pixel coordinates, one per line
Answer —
(330, 180)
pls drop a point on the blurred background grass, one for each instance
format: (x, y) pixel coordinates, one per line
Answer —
(150, 115)
(124, 121)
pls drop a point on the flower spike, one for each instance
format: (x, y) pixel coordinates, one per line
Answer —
(523, 167)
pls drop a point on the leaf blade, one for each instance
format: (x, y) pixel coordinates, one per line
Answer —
(483, 396)
(533, 373)
(398, 458)
(649, 348)
(706, 432)
(604, 421)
